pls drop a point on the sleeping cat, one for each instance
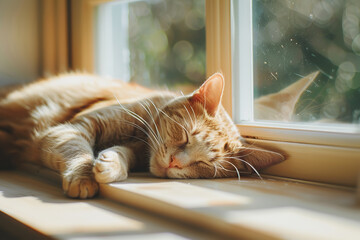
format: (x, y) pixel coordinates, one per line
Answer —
(94, 130)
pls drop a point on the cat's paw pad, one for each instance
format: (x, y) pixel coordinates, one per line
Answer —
(108, 167)
(80, 187)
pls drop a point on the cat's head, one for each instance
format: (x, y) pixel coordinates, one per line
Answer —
(197, 139)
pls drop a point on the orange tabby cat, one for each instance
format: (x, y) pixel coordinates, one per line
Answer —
(94, 130)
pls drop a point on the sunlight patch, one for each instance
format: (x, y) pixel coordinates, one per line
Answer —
(297, 222)
(184, 195)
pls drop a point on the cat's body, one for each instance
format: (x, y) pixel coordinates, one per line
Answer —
(31, 111)
(94, 130)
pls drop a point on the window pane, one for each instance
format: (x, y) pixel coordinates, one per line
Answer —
(154, 43)
(295, 38)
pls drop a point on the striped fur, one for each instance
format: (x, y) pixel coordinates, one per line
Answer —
(94, 130)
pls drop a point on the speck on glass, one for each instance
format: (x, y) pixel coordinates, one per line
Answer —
(295, 38)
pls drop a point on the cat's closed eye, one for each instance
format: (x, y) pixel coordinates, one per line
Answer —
(182, 140)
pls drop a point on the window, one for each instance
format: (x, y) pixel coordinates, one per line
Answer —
(275, 45)
(292, 40)
(154, 43)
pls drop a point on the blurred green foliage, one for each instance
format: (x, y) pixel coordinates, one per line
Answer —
(167, 42)
(293, 38)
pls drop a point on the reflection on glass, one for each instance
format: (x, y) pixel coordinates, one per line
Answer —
(159, 42)
(317, 40)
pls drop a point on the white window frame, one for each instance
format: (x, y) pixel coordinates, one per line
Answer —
(112, 59)
(242, 88)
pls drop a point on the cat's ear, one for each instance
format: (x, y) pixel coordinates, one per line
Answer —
(281, 105)
(210, 93)
(259, 158)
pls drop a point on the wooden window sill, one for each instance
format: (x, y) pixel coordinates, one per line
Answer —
(250, 208)
(35, 208)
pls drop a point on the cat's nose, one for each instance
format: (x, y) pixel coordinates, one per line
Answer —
(174, 162)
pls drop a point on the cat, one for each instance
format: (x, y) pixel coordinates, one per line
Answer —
(95, 130)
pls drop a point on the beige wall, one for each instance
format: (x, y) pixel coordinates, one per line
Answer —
(19, 41)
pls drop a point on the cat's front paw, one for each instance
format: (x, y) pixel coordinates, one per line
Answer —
(80, 187)
(109, 167)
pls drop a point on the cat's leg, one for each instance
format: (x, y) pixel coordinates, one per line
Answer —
(67, 149)
(113, 164)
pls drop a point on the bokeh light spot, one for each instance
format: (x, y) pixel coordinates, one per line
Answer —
(184, 50)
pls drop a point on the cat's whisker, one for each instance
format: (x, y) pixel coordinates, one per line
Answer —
(142, 140)
(204, 105)
(263, 150)
(152, 137)
(151, 141)
(244, 155)
(242, 160)
(192, 109)
(140, 119)
(243, 148)
(136, 126)
(237, 171)
(146, 124)
(193, 121)
(153, 120)
(158, 114)
(237, 151)
(228, 154)
(141, 129)
(175, 122)
(215, 169)
(223, 168)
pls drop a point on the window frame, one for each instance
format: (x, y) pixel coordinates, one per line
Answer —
(82, 34)
(218, 45)
(313, 153)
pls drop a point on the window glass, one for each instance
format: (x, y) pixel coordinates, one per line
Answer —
(295, 38)
(154, 43)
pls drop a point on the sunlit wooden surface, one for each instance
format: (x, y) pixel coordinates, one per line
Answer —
(250, 208)
(223, 208)
(35, 208)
